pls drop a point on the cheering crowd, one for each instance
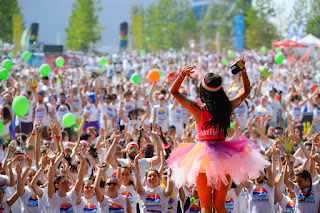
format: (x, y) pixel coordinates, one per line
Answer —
(113, 157)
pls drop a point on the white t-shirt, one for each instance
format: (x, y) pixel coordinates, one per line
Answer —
(275, 106)
(116, 205)
(154, 200)
(63, 204)
(260, 110)
(30, 201)
(287, 205)
(296, 112)
(4, 207)
(131, 194)
(106, 110)
(311, 203)
(127, 106)
(88, 205)
(232, 202)
(161, 116)
(41, 114)
(176, 117)
(242, 112)
(93, 112)
(61, 110)
(144, 165)
(4, 182)
(173, 200)
(27, 118)
(44, 200)
(261, 198)
(77, 103)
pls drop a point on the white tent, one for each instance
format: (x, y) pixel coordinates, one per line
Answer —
(309, 39)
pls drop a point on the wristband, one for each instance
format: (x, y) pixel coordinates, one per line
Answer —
(155, 139)
(139, 136)
(62, 152)
(28, 167)
(43, 168)
(243, 71)
(9, 151)
(119, 166)
(32, 133)
(57, 137)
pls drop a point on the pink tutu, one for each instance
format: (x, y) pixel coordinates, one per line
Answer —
(238, 158)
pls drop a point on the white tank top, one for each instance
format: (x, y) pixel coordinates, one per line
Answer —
(232, 202)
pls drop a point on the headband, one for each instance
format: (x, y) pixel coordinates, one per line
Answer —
(84, 142)
(210, 89)
(18, 156)
(132, 144)
(92, 131)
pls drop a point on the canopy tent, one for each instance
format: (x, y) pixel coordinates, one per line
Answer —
(288, 43)
(308, 39)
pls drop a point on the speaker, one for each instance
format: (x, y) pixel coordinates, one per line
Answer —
(33, 32)
(53, 49)
(123, 35)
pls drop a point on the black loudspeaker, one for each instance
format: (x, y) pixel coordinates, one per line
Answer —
(33, 32)
(53, 49)
(123, 35)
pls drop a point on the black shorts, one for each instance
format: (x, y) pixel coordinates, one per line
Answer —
(26, 128)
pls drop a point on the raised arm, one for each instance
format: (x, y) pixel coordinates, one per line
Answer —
(236, 101)
(96, 186)
(286, 180)
(191, 106)
(20, 187)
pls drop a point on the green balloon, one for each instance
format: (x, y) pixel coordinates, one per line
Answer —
(103, 61)
(1, 126)
(279, 58)
(68, 119)
(160, 72)
(278, 49)
(10, 55)
(45, 69)
(58, 79)
(135, 78)
(231, 125)
(148, 39)
(3, 73)
(26, 55)
(20, 105)
(183, 48)
(225, 61)
(171, 49)
(59, 61)
(230, 53)
(7, 63)
(142, 53)
(262, 69)
(263, 49)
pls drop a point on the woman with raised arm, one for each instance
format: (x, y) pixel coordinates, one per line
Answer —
(213, 161)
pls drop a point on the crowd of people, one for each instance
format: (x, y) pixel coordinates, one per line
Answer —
(113, 158)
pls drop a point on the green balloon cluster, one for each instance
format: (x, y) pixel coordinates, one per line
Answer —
(103, 61)
(45, 70)
(279, 58)
(20, 105)
(230, 53)
(278, 49)
(224, 61)
(7, 63)
(10, 55)
(59, 61)
(135, 78)
(26, 55)
(1, 126)
(68, 119)
(3, 73)
(264, 49)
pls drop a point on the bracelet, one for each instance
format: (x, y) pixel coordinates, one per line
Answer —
(9, 151)
(57, 137)
(119, 166)
(62, 152)
(32, 133)
(139, 136)
(243, 71)
(155, 139)
(182, 77)
(43, 168)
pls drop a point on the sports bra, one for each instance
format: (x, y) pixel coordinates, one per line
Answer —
(210, 132)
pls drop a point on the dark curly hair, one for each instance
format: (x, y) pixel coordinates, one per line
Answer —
(217, 104)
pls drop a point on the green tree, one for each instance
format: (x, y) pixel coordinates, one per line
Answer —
(313, 25)
(7, 9)
(259, 30)
(84, 28)
(169, 23)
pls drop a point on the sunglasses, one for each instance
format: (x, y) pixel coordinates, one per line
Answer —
(133, 148)
(62, 175)
(112, 184)
(278, 133)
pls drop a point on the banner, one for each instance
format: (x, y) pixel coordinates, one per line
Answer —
(299, 31)
(17, 30)
(290, 30)
(137, 31)
(238, 32)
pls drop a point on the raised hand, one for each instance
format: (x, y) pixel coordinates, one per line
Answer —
(187, 70)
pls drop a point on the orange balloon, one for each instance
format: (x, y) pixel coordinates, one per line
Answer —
(154, 75)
